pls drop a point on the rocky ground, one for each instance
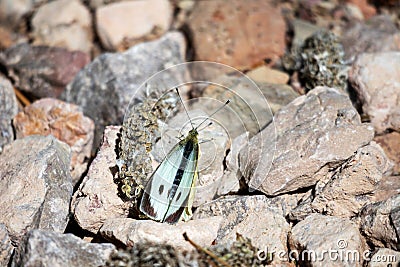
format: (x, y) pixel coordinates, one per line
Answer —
(301, 168)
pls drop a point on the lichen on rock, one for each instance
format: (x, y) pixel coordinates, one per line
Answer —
(139, 133)
(320, 61)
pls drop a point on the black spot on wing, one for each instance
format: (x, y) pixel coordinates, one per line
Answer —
(161, 189)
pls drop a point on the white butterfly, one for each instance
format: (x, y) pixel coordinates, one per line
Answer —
(169, 193)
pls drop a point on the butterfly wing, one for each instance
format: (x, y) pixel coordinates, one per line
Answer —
(185, 191)
(168, 190)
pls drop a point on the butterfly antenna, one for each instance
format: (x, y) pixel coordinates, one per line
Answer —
(221, 107)
(177, 91)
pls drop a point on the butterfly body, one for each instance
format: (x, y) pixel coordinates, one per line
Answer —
(169, 193)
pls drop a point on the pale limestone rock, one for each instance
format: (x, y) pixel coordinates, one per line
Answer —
(254, 217)
(380, 223)
(71, 28)
(353, 183)
(123, 24)
(36, 185)
(230, 179)
(131, 231)
(264, 74)
(96, 199)
(318, 233)
(305, 140)
(376, 79)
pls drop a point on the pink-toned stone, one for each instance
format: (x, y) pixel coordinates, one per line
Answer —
(376, 79)
(366, 9)
(64, 121)
(238, 33)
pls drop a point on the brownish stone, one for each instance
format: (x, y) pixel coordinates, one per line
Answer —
(65, 122)
(238, 33)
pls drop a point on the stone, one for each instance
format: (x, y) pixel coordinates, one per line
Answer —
(307, 134)
(367, 10)
(251, 216)
(6, 248)
(376, 80)
(238, 34)
(352, 185)
(96, 199)
(123, 24)
(302, 30)
(375, 223)
(384, 257)
(105, 87)
(129, 231)
(64, 121)
(70, 29)
(265, 74)
(36, 185)
(8, 109)
(12, 12)
(46, 248)
(390, 142)
(315, 239)
(378, 34)
(40, 70)
(388, 186)
(230, 181)
(252, 105)
(212, 151)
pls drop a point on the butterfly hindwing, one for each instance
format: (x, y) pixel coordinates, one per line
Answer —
(169, 189)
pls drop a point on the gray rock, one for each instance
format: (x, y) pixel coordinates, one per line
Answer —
(315, 239)
(36, 185)
(96, 199)
(105, 87)
(350, 186)
(252, 104)
(130, 231)
(384, 257)
(388, 186)
(42, 71)
(378, 34)
(43, 248)
(71, 28)
(8, 109)
(302, 30)
(253, 217)
(6, 248)
(305, 140)
(376, 79)
(378, 222)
